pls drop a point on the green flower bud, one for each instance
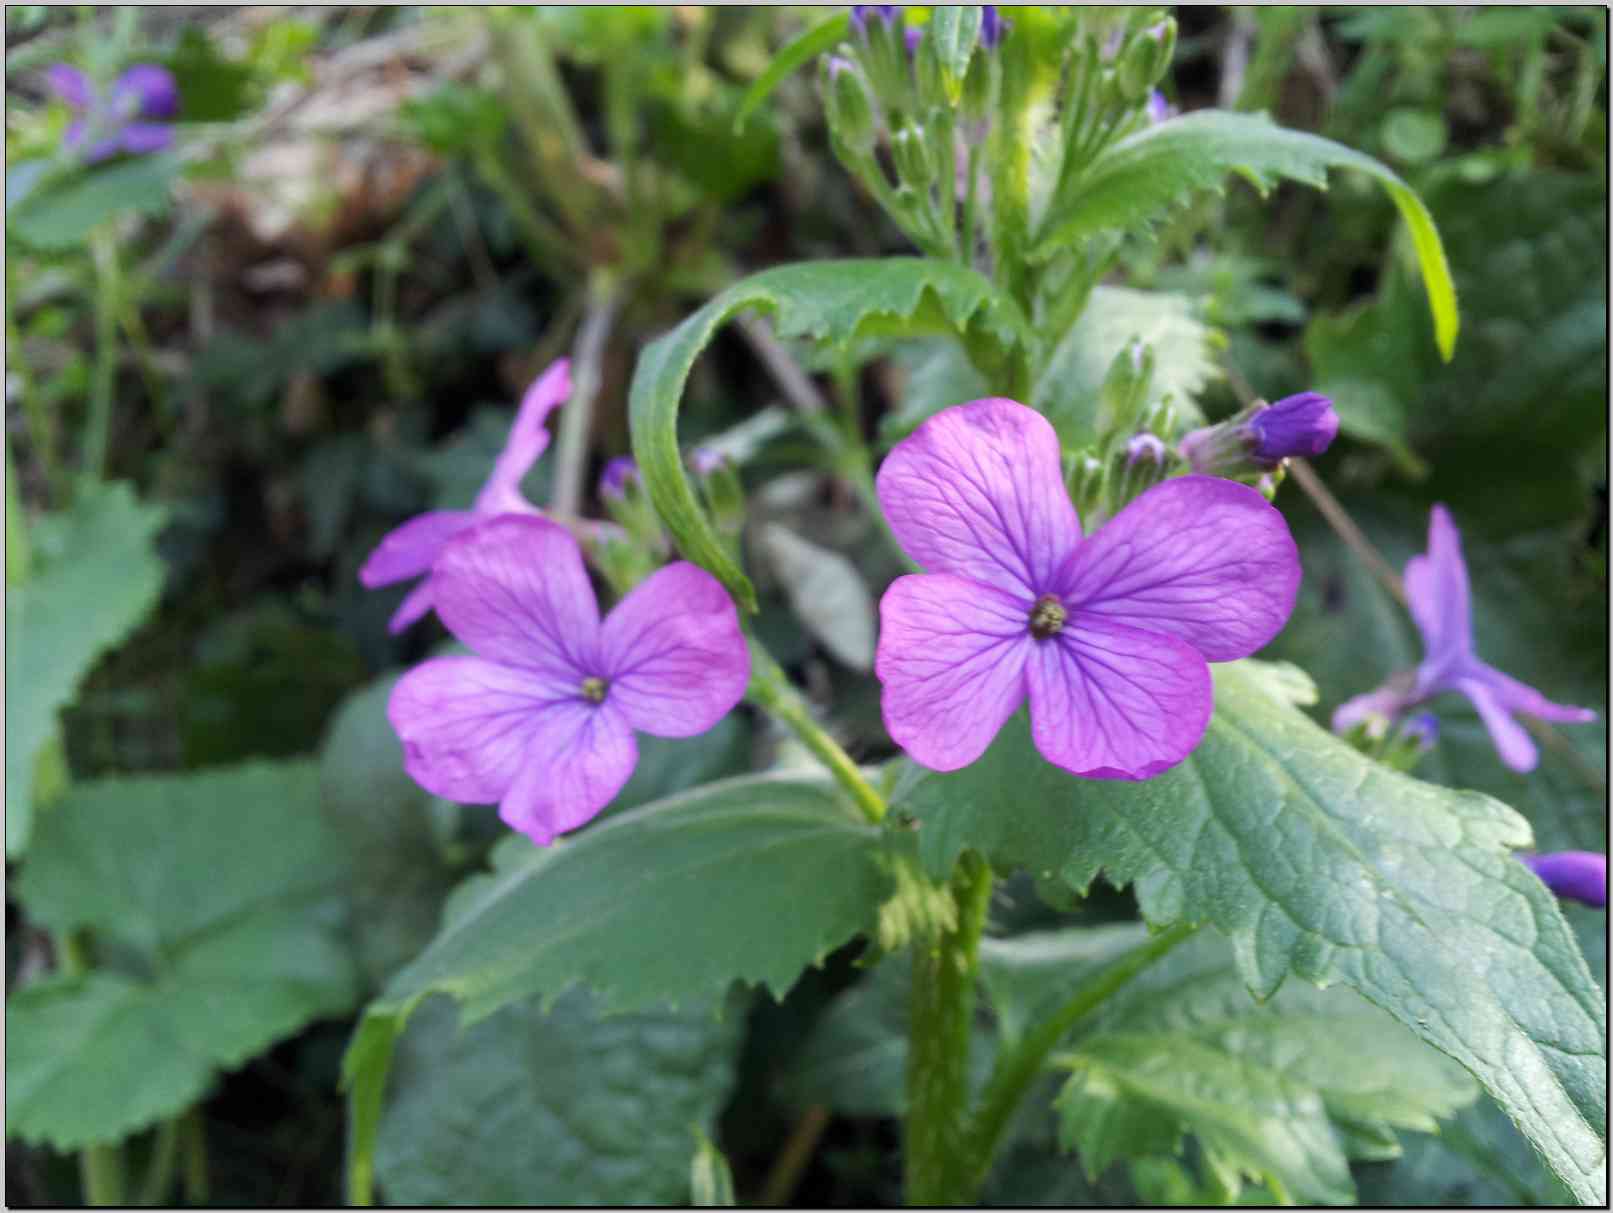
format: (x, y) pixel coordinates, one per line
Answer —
(1146, 59)
(1125, 389)
(914, 161)
(851, 113)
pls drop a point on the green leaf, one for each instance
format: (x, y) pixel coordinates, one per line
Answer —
(953, 31)
(835, 302)
(795, 55)
(1316, 861)
(1284, 1091)
(220, 887)
(95, 578)
(1160, 166)
(64, 213)
(559, 1108)
(1184, 357)
(767, 873)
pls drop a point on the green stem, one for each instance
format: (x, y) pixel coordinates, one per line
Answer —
(160, 1173)
(1017, 1068)
(945, 973)
(770, 689)
(19, 553)
(100, 1168)
(41, 428)
(196, 1185)
(97, 436)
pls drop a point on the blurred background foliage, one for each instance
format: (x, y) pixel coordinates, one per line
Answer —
(310, 320)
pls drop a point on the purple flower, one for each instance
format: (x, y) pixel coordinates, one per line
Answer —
(1158, 108)
(412, 549)
(1107, 636)
(618, 474)
(1437, 593)
(1577, 875)
(113, 123)
(541, 721)
(1261, 437)
(992, 27)
(860, 14)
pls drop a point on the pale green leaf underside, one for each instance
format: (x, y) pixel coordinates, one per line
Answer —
(65, 213)
(1159, 166)
(95, 578)
(563, 1108)
(835, 302)
(1315, 861)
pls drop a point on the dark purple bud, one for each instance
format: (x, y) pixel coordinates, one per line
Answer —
(1145, 447)
(618, 474)
(71, 85)
(860, 14)
(992, 27)
(911, 37)
(1422, 730)
(1297, 425)
(148, 90)
(1576, 875)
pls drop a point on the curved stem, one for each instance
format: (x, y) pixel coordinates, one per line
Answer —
(1016, 1069)
(770, 689)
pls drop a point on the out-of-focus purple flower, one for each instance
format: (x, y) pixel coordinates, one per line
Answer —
(1577, 875)
(1261, 437)
(412, 549)
(617, 475)
(541, 720)
(1107, 636)
(1145, 447)
(1437, 593)
(911, 38)
(862, 13)
(703, 461)
(133, 117)
(992, 27)
(1158, 108)
(1422, 730)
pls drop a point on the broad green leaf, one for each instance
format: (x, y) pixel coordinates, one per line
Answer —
(220, 888)
(94, 579)
(1184, 357)
(751, 879)
(1317, 862)
(827, 592)
(1283, 1091)
(64, 213)
(559, 1108)
(1148, 172)
(951, 36)
(795, 54)
(835, 302)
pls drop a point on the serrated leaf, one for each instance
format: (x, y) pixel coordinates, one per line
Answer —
(64, 213)
(1145, 173)
(827, 592)
(751, 879)
(221, 884)
(95, 578)
(1317, 862)
(835, 302)
(794, 55)
(1184, 359)
(559, 1108)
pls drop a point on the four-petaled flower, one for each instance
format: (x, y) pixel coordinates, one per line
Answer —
(1577, 875)
(134, 117)
(411, 549)
(1437, 593)
(541, 721)
(1107, 636)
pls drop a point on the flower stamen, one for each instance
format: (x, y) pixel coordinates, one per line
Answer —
(593, 689)
(1047, 617)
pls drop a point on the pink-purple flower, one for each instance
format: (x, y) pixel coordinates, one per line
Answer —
(411, 549)
(133, 117)
(1437, 593)
(1577, 875)
(541, 720)
(1107, 636)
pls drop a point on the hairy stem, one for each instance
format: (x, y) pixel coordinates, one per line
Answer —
(1017, 1068)
(945, 973)
(770, 689)
(576, 419)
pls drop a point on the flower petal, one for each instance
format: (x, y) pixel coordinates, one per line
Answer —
(673, 653)
(1579, 875)
(142, 138)
(414, 605)
(527, 441)
(1112, 702)
(153, 89)
(1198, 558)
(411, 549)
(578, 758)
(951, 660)
(977, 491)
(514, 589)
(1379, 707)
(465, 724)
(71, 85)
(1517, 696)
(1511, 742)
(1436, 592)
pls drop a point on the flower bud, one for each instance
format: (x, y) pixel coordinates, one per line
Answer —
(1087, 479)
(1257, 440)
(1158, 108)
(722, 490)
(863, 16)
(1145, 448)
(1125, 388)
(993, 29)
(914, 162)
(1145, 60)
(1577, 875)
(618, 473)
(622, 491)
(851, 113)
(610, 549)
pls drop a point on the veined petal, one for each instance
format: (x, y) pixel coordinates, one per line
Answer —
(1511, 742)
(1198, 558)
(1113, 702)
(465, 724)
(577, 759)
(1436, 592)
(951, 661)
(673, 653)
(411, 549)
(414, 605)
(528, 439)
(977, 491)
(514, 589)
